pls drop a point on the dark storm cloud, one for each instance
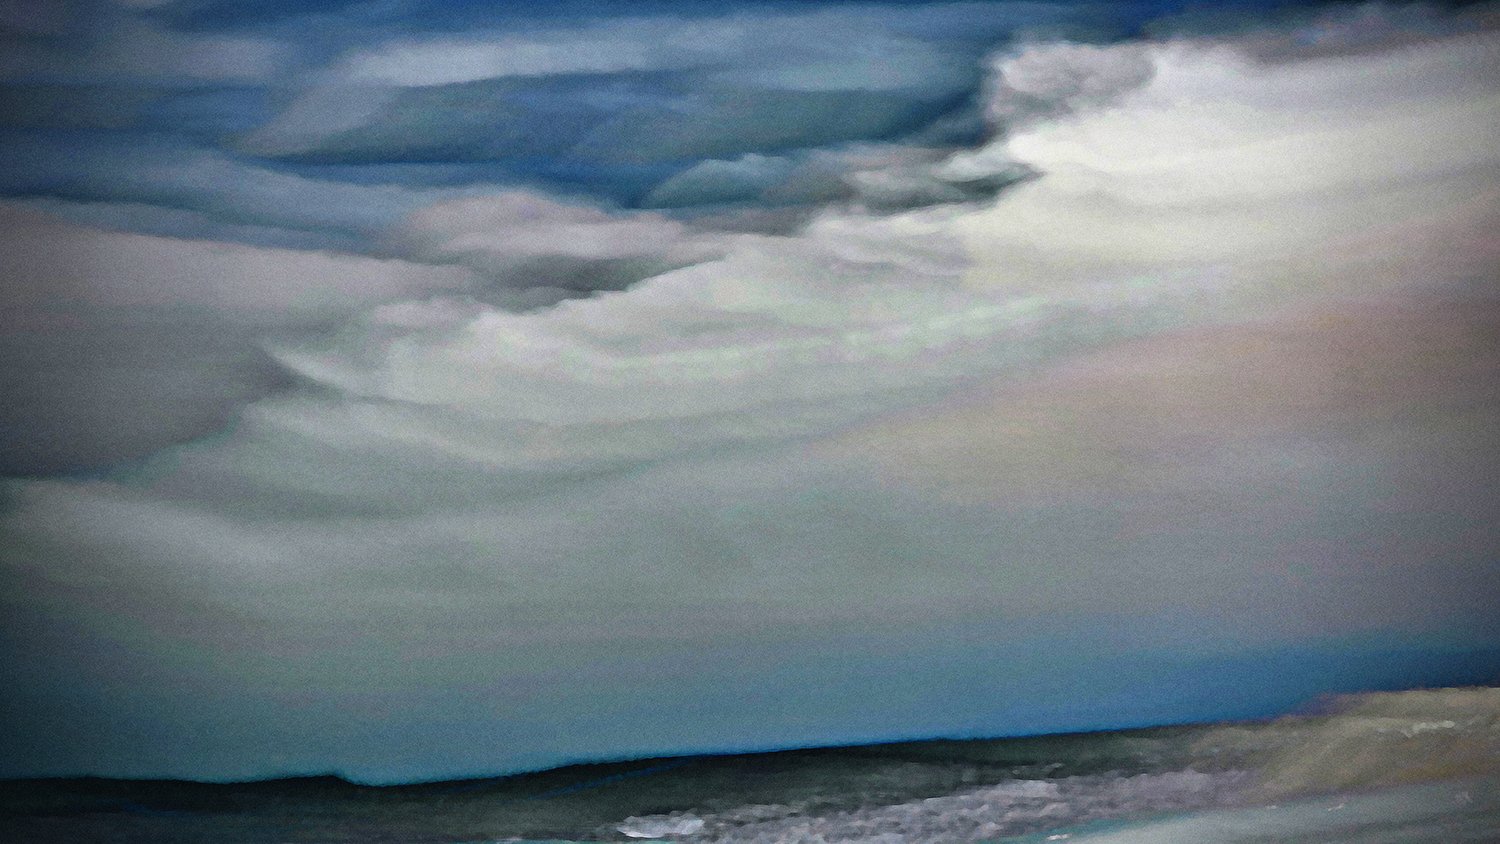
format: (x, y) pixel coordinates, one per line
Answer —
(616, 120)
(598, 100)
(169, 174)
(118, 345)
(299, 126)
(86, 397)
(26, 19)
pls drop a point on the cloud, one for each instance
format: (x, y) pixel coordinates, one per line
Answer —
(606, 103)
(1334, 457)
(611, 122)
(745, 179)
(83, 397)
(1120, 422)
(633, 90)
(32, 19)
(205, 14)
(601, 50)
(156, 186)
(532, 250)
(787, 337)
(734, 46)
(55, 265)
(1191, 200)
(118, 345)
(661, 463)
(124, 49)
(1216, 141)
(1052, 80)
(518, 226)
(72, 107)
(876, 177)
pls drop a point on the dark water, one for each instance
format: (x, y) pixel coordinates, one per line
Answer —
(1380, 768)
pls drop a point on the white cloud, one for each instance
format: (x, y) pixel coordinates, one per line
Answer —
(1045, 81)
(516, 226)
(1222, 161)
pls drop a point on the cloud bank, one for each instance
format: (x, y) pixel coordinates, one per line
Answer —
(794, 463)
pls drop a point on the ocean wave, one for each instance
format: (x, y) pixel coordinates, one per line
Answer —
(1448, 812)
(1232, 776)
(1010, 808)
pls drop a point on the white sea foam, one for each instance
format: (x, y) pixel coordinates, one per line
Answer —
(1446, 812)
(1382, 766)
(661, 826)
(1013, 807)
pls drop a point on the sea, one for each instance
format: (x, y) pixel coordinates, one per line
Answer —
(1374, 768)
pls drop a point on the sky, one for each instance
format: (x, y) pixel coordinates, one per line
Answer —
(413, 389)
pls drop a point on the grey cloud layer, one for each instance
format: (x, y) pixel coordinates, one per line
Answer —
(598, 102)
(672, 460)
(118, 345)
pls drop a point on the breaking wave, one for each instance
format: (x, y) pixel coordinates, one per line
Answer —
(1436, 743)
